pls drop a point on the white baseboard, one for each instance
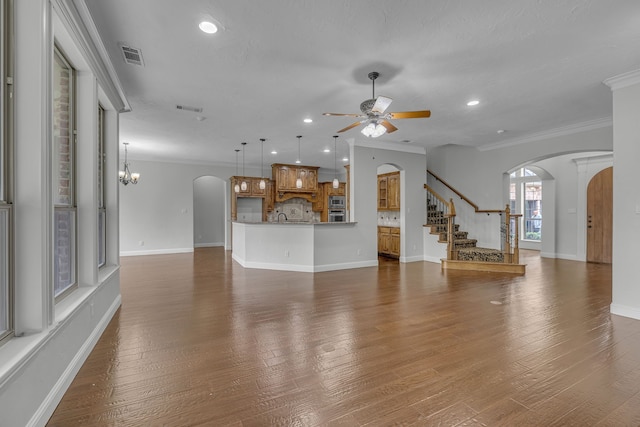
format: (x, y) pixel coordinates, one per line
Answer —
(208, 245)
(432, 259)
(157, 252)
(56, 393)
(345, 266)
(416, 258)
(625, 310)
(304, 268)
(570, 257)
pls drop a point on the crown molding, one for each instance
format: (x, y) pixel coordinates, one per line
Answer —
(623, 80)
(76, 18)
(553, 133)
(393, 146)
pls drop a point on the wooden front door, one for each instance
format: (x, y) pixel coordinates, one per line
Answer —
(600, 217)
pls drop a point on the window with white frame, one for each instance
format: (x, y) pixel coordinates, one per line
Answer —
(6, 284)
(525, 195)
(102, 212)
(64, 176)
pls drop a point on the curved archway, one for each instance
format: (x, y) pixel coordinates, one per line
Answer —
(208, 211)
(389, 210)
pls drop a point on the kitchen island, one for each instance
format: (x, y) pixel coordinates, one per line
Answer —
(299, 246)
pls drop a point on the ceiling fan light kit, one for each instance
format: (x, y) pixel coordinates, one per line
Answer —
(374, 114)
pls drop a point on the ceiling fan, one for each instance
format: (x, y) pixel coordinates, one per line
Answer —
(374, 115)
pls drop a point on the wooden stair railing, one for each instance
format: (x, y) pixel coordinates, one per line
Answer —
(463, 197)
(449, 211)
(511, 250)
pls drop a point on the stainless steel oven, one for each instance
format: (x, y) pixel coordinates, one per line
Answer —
(337, 215)
(337, 202)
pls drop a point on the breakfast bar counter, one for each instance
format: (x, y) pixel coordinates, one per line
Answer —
(299, 246)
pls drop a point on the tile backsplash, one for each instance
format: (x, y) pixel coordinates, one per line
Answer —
(296, 209)
(389, 218)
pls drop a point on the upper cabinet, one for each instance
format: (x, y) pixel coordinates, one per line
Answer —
(252, 190)
(330, 191)
(286, 176)
(393, 191)
(389, 191)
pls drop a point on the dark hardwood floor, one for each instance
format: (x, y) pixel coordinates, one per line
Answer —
(200, 340)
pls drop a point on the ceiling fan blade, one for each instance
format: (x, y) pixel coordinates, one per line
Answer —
(387, 124)
(351, 126)
(382, 103)
(411, 114)
(341, 114)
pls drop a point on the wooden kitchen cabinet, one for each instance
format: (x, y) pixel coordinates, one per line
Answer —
(253, 190)
(393, 191)
(389, 191)
(270, 196)
(389, 241)
(255, 187)
(330, 191)
(285, 177)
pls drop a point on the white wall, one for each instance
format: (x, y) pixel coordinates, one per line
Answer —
(158, 210)
(565, 210)
(479, 175)
(365, 160)
(208, 211)
(626, 197)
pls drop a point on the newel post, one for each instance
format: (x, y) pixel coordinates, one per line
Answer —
(507, 234)
(516, 239)
(451, 252)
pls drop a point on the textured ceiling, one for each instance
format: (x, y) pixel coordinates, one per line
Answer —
(534, 65)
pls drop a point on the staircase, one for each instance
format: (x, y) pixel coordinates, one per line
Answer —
(465, 248)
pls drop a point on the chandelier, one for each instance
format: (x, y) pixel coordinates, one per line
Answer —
(125, 175)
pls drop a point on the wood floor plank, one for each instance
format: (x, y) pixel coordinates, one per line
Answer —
(199, 340)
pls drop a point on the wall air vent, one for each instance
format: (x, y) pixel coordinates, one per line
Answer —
(187, 108)
(132, 55)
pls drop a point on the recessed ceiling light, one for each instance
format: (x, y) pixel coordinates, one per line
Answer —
(500, 131)
(208, 27)
(345, 159)
(274, 152)
(326, 150)
(473, 102)
(308, 120)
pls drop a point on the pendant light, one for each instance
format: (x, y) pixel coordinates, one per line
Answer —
(299, 180)
(263, 184)
(336, 183)
(243, 186)
(298, 159)
(236, 188)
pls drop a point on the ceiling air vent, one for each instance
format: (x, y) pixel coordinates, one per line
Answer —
(187, 108)
(132, 55)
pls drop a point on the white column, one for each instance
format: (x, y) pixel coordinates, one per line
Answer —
(626, 196)
(32, 171)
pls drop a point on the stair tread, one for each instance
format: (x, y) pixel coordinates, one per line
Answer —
(482, 250)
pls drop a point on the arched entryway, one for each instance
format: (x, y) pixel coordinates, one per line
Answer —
(208, 212)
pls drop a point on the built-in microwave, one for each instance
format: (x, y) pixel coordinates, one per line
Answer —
(336, 202)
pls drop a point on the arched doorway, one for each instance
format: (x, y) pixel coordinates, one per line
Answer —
(208, 212)
(389, 213)
(600, 217)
